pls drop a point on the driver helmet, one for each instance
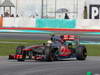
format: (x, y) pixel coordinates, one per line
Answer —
(49, 41)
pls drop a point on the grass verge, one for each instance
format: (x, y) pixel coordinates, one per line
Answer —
(8, 46)
(93, 50)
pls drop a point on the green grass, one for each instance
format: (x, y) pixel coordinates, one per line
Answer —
(93, 50)
(9, 48)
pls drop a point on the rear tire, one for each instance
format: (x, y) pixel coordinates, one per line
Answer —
(81, 53)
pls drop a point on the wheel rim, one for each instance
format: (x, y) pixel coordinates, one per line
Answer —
(84, 54)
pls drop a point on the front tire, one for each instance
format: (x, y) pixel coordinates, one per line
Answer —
(81, 53)
(50, 54)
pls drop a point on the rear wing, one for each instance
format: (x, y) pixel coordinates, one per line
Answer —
(71, 37)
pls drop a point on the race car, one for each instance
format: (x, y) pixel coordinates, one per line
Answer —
(60, 47)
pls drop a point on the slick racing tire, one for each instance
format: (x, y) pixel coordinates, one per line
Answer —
(81, 53)
(50, 54)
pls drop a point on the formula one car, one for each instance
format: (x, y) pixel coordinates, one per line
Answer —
(69, 48)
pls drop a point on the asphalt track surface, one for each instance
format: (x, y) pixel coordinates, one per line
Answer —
(31, 36)
(65, 67)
